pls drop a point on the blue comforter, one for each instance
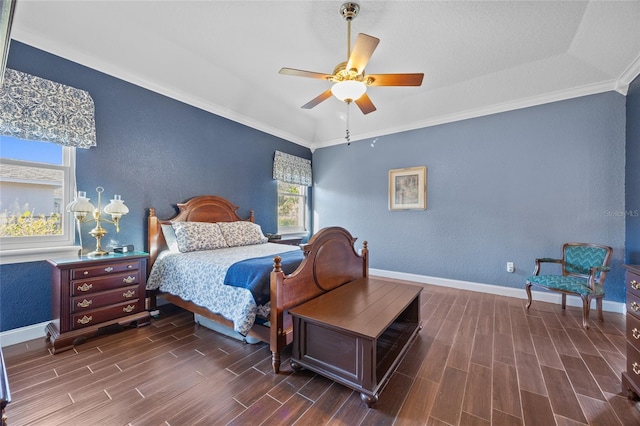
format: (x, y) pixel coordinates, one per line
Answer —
(255, 274)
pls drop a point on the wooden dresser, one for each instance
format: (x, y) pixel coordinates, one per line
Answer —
(631, 377)
(92, 295)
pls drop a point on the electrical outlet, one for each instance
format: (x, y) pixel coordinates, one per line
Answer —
(510, 267)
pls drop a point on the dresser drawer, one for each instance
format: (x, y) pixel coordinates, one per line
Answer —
(633, 283)
(633, 304)
(95, 316)
(633, 331)
(108, 282)
(111, 268)
(98, 300)
(633, 364)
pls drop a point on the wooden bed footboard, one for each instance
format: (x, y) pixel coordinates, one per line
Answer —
(330, 260)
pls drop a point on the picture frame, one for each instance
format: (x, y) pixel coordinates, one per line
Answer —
(408, 188)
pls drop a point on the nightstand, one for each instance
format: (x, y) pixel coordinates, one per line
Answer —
(287, 241)
(91, 295)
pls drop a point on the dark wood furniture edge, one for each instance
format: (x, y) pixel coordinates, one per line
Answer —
(5, 395)
(66, 341)
(330, 261)
(628, 386)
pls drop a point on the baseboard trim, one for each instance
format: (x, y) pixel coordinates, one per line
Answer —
(519, 293)
(22, 334)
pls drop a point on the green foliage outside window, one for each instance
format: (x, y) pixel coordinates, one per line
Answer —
(27, 224)
(291, 205)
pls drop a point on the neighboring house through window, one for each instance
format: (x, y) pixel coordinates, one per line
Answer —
(36, 183)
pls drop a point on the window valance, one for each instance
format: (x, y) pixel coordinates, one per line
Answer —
(291, 169)
(34, 108)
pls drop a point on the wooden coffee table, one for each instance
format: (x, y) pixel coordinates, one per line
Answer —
(357, 334)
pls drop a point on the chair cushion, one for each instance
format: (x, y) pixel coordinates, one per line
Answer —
(575, 285)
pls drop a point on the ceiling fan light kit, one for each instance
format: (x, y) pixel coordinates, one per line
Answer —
(349, 78)
(348, 90)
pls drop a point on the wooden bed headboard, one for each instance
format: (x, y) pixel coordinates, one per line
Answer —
(204, 208)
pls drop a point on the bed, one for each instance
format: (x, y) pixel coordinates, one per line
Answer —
(328, 261)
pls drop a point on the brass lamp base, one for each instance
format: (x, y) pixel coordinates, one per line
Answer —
(98, 253)
(98, 232)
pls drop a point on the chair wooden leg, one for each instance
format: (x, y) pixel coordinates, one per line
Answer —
(586, 301)
(564, 301)
(527, 287)
(599, 308)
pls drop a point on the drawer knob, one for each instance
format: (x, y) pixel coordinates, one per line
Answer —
(635, 306)
(635, 285)
(85, 303)
(128, 308)
(85, 320)
(85, 273)
(108, 269)
(129, 279)
(636, 333)
(636, 368)
(85, 287)
(129, 266)
(128, 294)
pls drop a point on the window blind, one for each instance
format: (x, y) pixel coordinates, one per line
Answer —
(34, 108)
(291, 169)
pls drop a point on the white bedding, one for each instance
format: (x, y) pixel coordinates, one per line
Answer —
(199, 277)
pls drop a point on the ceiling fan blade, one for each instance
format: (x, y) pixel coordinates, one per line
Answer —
(362, 51)
(365, 104)
(315, 101)
(396, 79)
(302, 73)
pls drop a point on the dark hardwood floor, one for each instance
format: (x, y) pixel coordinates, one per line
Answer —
(480, 359)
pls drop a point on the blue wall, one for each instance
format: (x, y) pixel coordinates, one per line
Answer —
(633, 173)
(155, 152)
(507, 187)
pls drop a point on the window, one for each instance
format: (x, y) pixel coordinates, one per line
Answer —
(292, 208)
(36, 183)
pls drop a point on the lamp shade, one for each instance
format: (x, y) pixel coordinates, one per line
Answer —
(81, 204)
(116, 207)
(348, 90)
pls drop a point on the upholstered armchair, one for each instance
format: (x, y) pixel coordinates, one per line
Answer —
(584, 269)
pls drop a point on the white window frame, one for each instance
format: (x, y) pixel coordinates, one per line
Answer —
(29, 249)
(289, 230)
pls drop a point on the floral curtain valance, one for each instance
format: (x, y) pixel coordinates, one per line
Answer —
(33, 108)
(291, 169)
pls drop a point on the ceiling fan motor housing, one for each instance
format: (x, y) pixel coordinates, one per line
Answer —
(349, 10)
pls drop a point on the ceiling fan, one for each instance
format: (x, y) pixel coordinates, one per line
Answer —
(349, 78)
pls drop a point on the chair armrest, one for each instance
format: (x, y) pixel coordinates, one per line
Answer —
(540, 260)
(593, 271)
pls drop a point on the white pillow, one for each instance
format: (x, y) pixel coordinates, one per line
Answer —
(242, 233)
(170, 237)
(196, 236)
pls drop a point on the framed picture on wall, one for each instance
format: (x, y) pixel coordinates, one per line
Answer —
(408, 188)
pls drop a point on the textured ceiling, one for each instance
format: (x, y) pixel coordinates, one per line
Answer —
(478, 57)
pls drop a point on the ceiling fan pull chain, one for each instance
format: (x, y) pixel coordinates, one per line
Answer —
(347, 137)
